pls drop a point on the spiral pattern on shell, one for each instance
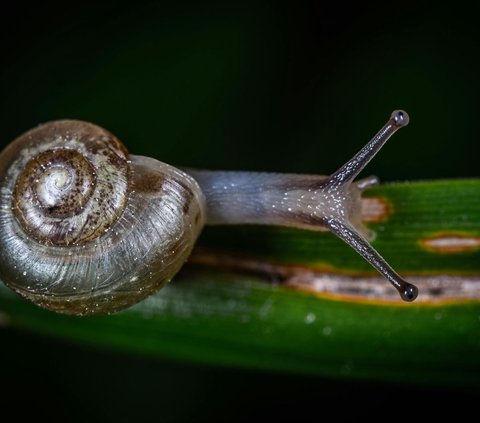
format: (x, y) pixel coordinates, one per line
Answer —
(71, 188)
(86, 228)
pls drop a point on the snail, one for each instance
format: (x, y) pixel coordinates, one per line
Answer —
(86, 228)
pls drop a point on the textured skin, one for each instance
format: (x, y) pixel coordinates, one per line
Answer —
(301, 201)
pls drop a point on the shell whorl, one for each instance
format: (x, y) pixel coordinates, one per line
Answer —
(86, 228)
(72, 186)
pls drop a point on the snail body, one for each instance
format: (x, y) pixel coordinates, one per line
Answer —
(86, 228)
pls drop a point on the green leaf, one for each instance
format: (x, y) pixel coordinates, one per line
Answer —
(249, 309)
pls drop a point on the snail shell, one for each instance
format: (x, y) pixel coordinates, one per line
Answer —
(86, 228)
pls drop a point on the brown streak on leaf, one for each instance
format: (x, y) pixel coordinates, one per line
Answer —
(451, 243)
(375, 209)
(336, 284)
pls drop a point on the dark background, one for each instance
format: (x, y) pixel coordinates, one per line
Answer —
(274, 86)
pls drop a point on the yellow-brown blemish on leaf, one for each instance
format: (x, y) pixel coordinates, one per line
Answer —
(451, 243)
(338, 284)
(375, 209)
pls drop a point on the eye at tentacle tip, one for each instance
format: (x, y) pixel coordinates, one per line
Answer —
(400, 118)
(408, 292)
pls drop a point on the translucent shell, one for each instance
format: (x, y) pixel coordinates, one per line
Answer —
(84, 227)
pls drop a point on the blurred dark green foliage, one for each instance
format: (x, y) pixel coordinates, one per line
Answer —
(279, 86)
(295, 86)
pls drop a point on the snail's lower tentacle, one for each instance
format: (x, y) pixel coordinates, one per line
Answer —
(347, 233)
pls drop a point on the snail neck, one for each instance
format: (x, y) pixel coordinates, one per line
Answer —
(301, 201)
